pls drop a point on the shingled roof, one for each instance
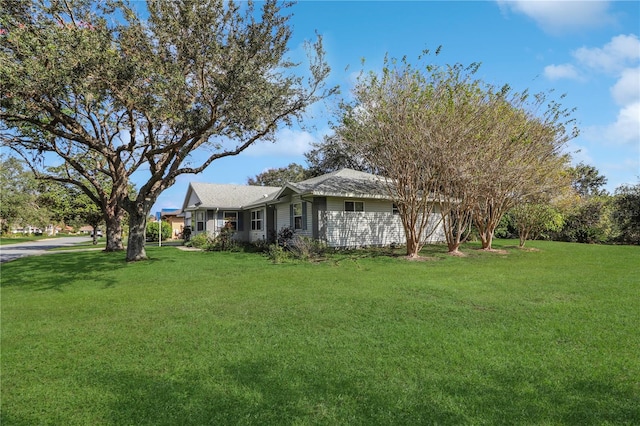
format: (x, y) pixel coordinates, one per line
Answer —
(341, 183)
(227, 196)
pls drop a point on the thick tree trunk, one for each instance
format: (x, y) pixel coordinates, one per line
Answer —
(113, 220)
(137, 236)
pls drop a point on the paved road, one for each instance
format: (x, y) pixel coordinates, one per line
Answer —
(34, 248)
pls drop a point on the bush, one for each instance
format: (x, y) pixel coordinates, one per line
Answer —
(201, 241)
(277, 254)
(152, 231)
(284, 237)
(291, 246)
(590, 222)
(224, 241)
(305, 248)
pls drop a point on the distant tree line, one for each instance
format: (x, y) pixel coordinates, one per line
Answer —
(26, 201)
(588, 214)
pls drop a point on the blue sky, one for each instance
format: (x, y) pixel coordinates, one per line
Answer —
(588, 50)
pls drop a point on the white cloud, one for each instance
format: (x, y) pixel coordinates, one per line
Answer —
(626, 91)
(626, 128)
(624, 131)
(561, 16)
(287, 143)
(557, 72)
(618, 58)
(621, 52)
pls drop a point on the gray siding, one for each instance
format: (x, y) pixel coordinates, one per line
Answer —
(283, 216)
(370, 205)
(360, 229)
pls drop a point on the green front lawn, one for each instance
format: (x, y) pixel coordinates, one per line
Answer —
(194, 338)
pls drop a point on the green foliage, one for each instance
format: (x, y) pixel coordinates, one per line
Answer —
(587, 180)
(277, 254)
(152, 231)
(201, 241)
(224, 241)
(71, 206)
(506, 227)
(285, 236)
(533, 219)
(109, 90)
(279, 177)
(20, 202)
(332, 154)
(289, 245)
(626, 213)
(589, 222)
(544, 337)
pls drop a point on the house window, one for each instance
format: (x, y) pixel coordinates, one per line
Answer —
(297, 216)
(199, 221)
(256, 220)
(231, 220)
(354, 206)
(394, 209)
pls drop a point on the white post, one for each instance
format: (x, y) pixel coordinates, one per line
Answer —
(159, 230)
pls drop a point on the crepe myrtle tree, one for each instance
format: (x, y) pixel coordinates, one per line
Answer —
(523, 157)
(192, 82)
(387, 127)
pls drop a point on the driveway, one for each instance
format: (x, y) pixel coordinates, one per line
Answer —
(34, 248)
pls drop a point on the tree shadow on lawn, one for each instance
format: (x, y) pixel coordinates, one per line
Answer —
(55, 271)
(265, 392)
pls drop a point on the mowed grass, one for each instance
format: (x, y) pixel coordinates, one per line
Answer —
(527, 337)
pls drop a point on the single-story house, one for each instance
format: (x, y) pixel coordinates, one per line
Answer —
(346, 208)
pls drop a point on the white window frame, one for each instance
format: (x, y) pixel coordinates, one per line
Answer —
(227, 217)
(394, 208)
(354, 204)
(297, 218)
(200, 222)
(257, 217)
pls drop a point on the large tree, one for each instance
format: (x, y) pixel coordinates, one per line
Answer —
(193, 82)
(522, 155)
(587, 180)
(279, 176)
(388, 126)
(332, 154)
(445, 138)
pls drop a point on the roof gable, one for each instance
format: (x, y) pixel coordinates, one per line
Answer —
(216, 195)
